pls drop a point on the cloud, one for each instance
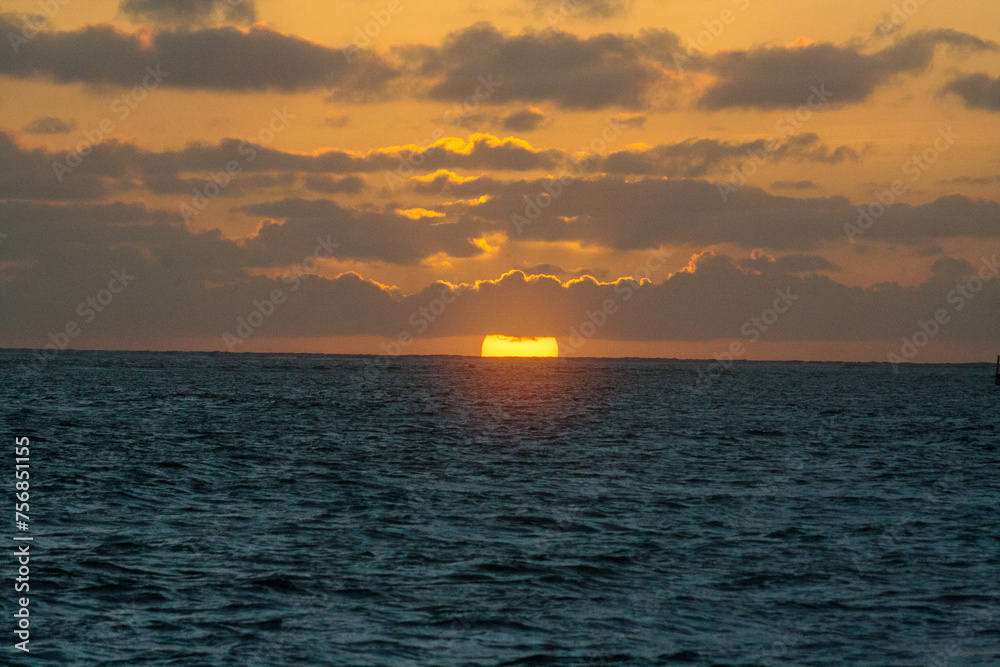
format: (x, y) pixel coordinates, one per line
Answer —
(794, 185)
(190, 11)
(116, 165)
(189, 285)
(978, 91)
(28, 174)
(633, 120)
(615, 213)
(478, 152)
(608, 211)
(328, 185)
(621, 70)
(241, 184)
(783, 77)
(525, 120)
(974, 180)
(342, 120)
(627, 71)
(697, 157)
(557, 10)
(49, 125)
(49, 235)
(563, 274)
(386, 236)
(573, 72)
(184, 282)
(761, 262)
(57, 251)
(222, 58)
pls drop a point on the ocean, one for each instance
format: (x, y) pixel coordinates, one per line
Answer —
(271, 509)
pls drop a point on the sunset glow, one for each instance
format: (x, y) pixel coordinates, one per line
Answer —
(653, 172)
(512, 346)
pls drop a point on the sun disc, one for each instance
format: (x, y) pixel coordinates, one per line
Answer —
(515, 346)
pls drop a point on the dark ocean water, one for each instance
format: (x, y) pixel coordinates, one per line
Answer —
(211, 509)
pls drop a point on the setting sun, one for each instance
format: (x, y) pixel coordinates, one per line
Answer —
(512, 346)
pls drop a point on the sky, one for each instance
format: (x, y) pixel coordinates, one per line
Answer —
(758, 179)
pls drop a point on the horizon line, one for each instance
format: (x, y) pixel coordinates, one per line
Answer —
(469, 356)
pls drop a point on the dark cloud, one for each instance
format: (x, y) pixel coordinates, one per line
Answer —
(116, 165)
(974, 180)
(49, 232)
(785, 77)
(481, 64)
(238, 184)
(794, 185)
(49, 125)
(184, 286)
(525, 120)
(587, 73)
(978, 91)
(697, 157)
(559, 10)
(190, 11)
(603, 211)
(563, 274)
(480, 151)
(113, 165)
(930, 251)
(337, 121)
(624, 70)
(643, 214)
(223, 58)
(29, 174)
(385, 236)
(329, 185)
(712, 298)
(544, 270)
(62, 253)
(633, 120)
(760, 262)
(291, 230)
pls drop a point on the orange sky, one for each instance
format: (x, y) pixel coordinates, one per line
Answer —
(329, 124)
